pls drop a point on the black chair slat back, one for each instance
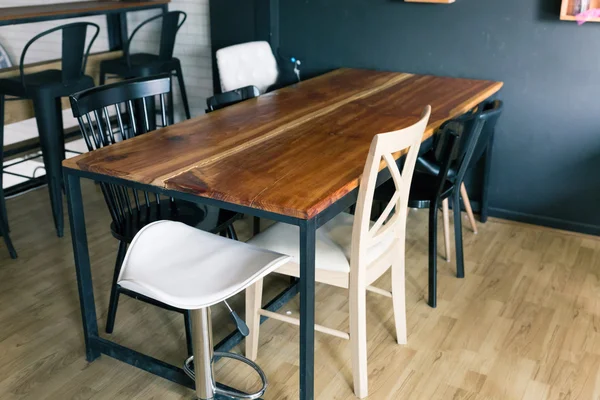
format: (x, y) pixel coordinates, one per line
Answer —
(132, 103)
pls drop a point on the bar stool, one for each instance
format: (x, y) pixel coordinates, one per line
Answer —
(45, 89)
(4, 229)
(144, 64)
(4, 232)
(190, 269)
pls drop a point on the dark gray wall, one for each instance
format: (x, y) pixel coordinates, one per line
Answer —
(546, 166)
(239, 21)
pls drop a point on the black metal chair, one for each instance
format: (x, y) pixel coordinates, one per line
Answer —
(45, 89)
(490, 112)
(455, 145)
(107, 115)
(222, 100)
(4, 63)
(4, 230)
(145, 64)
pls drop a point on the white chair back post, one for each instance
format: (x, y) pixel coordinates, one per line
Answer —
(365, 235)
(246, 64)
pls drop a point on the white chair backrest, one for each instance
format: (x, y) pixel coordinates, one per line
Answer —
(365, 235)
(247, 64)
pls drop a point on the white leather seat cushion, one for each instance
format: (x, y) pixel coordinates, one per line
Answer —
(333, 247)
(190, 269)
(247, 64)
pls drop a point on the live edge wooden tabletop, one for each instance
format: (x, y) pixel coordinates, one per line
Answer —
(294, 151)
(76, 7)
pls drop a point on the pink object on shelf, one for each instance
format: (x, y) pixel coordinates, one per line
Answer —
(587, 15)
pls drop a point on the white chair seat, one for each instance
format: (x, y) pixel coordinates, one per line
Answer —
(333, 245)
(191, 269)
(246, 64)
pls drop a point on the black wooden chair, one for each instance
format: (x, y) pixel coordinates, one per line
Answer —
(490, 113)
(45, 89)
(455, 145)
(226, 99)
(107, 115)
(145, 64)
(222, 100)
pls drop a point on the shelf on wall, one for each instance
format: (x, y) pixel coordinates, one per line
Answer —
(431, 1)
(568, 12)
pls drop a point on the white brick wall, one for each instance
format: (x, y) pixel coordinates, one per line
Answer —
(192, 46)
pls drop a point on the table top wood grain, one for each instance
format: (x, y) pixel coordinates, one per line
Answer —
(77, 7)
(294, 151)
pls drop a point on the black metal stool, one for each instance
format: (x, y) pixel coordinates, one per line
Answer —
(144, 64)
(45, 89)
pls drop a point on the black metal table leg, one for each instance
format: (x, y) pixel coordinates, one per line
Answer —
(82, 266)
(485, 187)
(95, 345)
(117, 30)
(308, 230)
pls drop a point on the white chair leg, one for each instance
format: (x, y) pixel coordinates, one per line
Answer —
(253, 305)
(446, 218)
(358, 340)
(467, 202)
(399, 296)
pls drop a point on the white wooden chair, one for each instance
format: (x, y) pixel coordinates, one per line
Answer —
(352, 251)
(190, 269)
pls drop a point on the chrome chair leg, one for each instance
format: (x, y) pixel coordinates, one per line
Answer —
(201, 370)
(203, 354)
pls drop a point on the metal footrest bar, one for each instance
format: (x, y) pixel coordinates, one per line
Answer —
(174, 373)
(188, 367)
(235, 337)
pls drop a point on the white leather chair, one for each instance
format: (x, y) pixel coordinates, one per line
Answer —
(192, 270)
(352, 251)
(247, 64)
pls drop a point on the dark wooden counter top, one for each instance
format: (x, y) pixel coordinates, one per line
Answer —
(293, 151)
(18, 15)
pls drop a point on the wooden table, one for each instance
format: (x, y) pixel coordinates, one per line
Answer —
(294, 155)
(115, 12)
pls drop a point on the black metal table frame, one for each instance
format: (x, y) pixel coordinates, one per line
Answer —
(96, 345)
(116, 21)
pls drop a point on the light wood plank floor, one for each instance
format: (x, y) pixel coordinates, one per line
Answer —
(524, 324)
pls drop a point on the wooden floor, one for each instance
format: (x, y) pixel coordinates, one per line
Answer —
(524, 324)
